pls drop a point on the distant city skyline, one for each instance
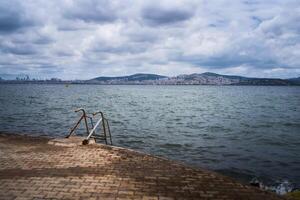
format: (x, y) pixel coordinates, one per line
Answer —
(84, 39)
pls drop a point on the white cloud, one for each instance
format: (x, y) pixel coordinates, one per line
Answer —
(82, 39)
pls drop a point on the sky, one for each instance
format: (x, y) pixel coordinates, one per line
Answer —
(83, 39)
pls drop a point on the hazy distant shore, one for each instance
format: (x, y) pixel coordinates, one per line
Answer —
(79, 83)
(154, 79)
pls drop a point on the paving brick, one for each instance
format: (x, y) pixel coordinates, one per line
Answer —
(32, 169)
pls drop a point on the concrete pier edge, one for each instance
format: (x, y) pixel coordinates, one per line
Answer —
(31, 169)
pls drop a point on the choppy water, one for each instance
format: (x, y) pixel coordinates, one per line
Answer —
(241, 131)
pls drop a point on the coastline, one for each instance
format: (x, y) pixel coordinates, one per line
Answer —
(146, 176)
(67, 84)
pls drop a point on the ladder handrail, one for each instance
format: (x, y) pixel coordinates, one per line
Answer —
(93, 130)
(103, 120)
(108, 131)
(83, 116)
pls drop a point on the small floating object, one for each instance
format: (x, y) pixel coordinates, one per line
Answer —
(256, 183)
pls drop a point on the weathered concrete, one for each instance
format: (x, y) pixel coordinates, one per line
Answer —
(71, 141)
(32, 169)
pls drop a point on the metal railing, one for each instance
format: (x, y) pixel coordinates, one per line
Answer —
(92, 134)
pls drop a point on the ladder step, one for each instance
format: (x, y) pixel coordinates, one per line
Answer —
(98, 137)
(105, 135)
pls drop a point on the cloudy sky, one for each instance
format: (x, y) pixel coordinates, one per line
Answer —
(81, 39)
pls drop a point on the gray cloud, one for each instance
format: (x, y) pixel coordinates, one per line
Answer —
(23, 49)
(162, 16)
(225, 61)
(74, 39)
(43, 40)
(92, 11)
(12, 17)
(122, 49)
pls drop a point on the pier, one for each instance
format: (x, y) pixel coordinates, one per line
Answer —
(31, 168)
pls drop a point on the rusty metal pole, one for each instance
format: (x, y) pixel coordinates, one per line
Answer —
(103, 125)
(73, 129)
(85, 121)
(109, 131)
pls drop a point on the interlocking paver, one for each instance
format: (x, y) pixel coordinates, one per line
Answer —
(32, 169)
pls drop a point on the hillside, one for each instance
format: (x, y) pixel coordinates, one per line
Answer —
(132, 79)
(206, 78)
(295, 80)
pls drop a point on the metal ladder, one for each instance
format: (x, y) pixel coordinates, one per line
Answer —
(92, 134)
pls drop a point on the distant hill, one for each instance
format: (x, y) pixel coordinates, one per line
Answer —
(217, 79)
(135, 78)
(295, 80)
(206, 78)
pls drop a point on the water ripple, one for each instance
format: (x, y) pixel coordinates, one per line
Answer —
(245, 132)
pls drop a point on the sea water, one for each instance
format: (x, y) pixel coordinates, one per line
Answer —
(241, 131)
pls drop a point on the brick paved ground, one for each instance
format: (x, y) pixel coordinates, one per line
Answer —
(32, 169)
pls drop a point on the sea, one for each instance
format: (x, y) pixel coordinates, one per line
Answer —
(251, 133)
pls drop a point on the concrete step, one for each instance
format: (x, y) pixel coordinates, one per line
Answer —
(71, 141)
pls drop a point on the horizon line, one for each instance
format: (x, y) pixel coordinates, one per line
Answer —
(23, 75)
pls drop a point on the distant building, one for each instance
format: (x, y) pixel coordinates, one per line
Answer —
(55, 79)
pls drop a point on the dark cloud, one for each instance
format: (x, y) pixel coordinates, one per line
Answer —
(64, 53)
(128, 48)
(64, 38)
(282, 24)
(24, 49)
(164, 16)
(43, 40)
(12, 17)
(142, 36)
(226, 61)
(251, 2)
(257, 21)
(92, 11)
(16, 69)
(50, 68)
